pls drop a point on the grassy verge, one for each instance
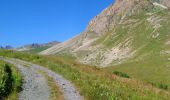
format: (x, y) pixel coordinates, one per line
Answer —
(94, 83)
(10, 82)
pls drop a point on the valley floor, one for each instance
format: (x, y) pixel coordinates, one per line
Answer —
(91, 82)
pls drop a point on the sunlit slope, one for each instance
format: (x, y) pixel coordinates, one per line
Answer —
(123, 31)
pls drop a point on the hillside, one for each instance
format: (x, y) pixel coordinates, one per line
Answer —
(123, 31)
(131, 35)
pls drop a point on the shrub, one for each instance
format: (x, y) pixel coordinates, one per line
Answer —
(160, 85)
(121, 74)
(163, 86)
(6, 82)
(10, 82)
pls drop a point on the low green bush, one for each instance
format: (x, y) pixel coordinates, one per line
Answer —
(160, 85)
(121, 74)
(10, 80)
(163, 86)
(6, 81)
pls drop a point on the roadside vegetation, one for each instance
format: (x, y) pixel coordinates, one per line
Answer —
(94, 83)
(10, 82)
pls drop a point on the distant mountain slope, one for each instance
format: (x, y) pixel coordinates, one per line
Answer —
(36, 48)
(124, 30)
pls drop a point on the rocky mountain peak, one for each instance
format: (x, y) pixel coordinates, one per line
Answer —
(115, 12)
(120, 9)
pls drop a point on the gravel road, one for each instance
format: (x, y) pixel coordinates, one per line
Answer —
(35, 86)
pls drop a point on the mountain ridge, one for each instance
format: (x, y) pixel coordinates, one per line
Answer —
(32, 46)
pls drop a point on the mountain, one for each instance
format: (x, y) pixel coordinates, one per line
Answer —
(36, 48)
(126, 31)
(7, 47)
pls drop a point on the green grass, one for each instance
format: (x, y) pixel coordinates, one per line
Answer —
(38, 49)
(10, 81)
(94, 83)
(150, 71)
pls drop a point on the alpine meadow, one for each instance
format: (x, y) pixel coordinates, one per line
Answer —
(123, 54)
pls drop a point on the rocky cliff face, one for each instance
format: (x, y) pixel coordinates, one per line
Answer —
(123, 31)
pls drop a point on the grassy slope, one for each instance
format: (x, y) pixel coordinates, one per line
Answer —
(37, 50)
(10, 81)
(94, 83)
(148, 64)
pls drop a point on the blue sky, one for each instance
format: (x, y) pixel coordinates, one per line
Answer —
(40, 21)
